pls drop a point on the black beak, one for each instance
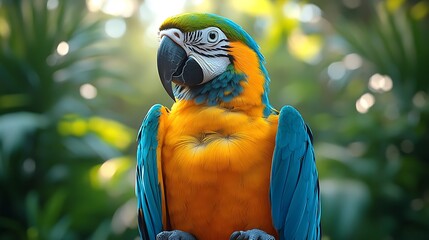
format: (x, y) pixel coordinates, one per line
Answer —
(175, 66)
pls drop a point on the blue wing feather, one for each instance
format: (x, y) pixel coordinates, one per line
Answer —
(147, 186)
(294, 190)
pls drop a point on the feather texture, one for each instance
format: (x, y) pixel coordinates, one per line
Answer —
(148, 189)
(216, 165)
(294, 187)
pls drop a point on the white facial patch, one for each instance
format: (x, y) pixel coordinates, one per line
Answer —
(208, 47)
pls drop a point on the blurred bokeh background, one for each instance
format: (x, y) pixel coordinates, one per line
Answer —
(77, 78)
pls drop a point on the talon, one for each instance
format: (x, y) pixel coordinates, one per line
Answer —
(174, 235)
(254, 234)
(235, 235)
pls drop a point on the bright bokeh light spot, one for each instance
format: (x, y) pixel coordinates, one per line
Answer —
(159, 10)
(308, 13)
(113, 168)
(365, 102)
(156, 11)
(292, 10)
(94, 5)
(165, 8)
(108, 169)
(52, 4)
(123, 8)
(420, 99)
(336, 70)
(63, 48)
(305, 47)
(380, 83)
(124, 217)
(88, 91)
(115, 28)
(357, 149)
(29, 165)
(352, 61)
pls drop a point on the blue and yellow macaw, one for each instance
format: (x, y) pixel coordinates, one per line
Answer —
(222, 163)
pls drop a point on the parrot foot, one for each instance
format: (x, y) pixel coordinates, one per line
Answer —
(254, 234)
(174, 235)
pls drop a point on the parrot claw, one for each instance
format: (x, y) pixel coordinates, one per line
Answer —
(254, 234)
(174, 235)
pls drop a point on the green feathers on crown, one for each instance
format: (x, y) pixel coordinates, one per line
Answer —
(189, 22)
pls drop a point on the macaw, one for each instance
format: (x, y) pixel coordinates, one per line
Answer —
(222, 163)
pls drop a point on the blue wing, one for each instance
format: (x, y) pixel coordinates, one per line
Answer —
(294, 190)
(147, 185)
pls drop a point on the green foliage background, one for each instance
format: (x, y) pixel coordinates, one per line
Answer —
(67, 161)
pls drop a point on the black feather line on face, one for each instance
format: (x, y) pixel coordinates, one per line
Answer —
(208, 55)
(201, 53)
(217, 43)
(192, 38)
(222, 55)
(220, 49)
(201, 48)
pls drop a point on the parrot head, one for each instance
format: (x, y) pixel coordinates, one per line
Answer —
(209, 59)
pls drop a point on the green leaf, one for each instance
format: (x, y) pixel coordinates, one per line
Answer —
(52, 211)
(15, 127)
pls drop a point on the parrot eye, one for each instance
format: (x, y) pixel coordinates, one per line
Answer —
(212, 36)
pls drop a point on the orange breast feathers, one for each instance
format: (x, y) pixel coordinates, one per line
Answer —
(216, 170)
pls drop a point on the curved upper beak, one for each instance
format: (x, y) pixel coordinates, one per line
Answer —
(174, 65)
(170, 60)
